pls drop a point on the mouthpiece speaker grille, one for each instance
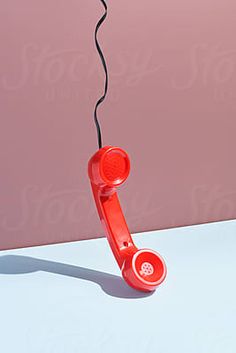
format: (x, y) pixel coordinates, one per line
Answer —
(115, 166)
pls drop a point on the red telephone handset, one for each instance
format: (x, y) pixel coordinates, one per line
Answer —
(142, 269)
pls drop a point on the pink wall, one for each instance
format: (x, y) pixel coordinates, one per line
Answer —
(171, 105)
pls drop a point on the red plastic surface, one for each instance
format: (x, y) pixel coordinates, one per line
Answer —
(142, 269)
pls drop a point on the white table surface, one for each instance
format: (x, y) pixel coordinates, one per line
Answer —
(70, 298)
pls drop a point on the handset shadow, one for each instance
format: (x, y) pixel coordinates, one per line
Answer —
(112, 285)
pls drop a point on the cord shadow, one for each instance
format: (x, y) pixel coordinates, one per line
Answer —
(112, 285)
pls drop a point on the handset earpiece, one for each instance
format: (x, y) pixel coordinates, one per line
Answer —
(142, 269)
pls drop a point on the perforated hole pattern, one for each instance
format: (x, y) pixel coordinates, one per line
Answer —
(114, 166)
(147, 269)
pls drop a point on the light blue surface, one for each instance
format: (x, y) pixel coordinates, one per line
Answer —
(69, 298)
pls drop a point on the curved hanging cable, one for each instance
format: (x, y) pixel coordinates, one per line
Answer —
(102, 19)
